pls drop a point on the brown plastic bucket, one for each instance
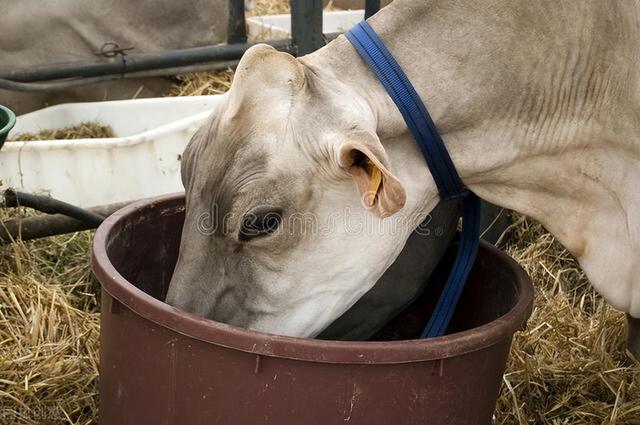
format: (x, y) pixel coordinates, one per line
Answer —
(159, 365)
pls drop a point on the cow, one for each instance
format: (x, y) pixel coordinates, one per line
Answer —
(34, 33)
(538, 104)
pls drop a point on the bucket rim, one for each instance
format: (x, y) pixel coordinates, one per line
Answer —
(297, 348)
(11, 120)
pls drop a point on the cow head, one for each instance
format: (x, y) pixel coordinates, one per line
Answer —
(291, 202)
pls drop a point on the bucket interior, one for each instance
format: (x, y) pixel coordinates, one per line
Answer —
(144, 246)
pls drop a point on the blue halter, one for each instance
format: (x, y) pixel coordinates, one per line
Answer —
(415, 114)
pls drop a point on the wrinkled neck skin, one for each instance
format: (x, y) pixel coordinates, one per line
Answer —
(547, 125)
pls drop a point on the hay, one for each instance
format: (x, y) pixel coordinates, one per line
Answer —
(202, 83)
(570, 365)
(85, 130)
(278, 7)
(271, 7)
(49, 331)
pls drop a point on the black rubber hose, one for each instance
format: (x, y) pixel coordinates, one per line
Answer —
(41, 226)
(49, 205)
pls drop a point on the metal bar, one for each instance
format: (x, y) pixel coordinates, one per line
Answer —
(371, 7)
(236, 28)
(494, 221)
(76, 82)
(139, 62)
(306, 25)
(50, 225)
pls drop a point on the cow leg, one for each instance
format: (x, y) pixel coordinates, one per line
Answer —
(633, 336)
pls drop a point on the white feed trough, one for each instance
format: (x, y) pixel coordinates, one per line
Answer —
(142, 161)
(278, 27)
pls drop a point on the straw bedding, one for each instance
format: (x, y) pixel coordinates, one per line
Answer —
(49, 331)
(270, 7)
(568, 367)
(85, 130)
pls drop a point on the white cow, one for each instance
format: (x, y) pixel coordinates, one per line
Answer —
(538, 104)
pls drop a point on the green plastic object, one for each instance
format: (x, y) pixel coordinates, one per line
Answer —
(7, 121)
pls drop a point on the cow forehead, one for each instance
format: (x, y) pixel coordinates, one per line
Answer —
(233, 169)
(250, 152)
(225, 169)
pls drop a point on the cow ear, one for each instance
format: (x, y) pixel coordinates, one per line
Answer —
(263, 67)
(263, 74)
(364, 158)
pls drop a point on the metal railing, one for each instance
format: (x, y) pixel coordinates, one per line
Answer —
(306, 30)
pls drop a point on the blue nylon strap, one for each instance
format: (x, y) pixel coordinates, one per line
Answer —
(415, 114)
(449, 184)
(465, 258)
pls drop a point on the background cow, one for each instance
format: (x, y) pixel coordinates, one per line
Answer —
(33, 32)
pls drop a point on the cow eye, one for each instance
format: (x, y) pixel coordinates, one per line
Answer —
(259, 222)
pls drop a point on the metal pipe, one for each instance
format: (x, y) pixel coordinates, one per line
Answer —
(76, 82)
(371, 7)
(494, 222)
(236, 27)
(13, 198)
(139, 62)
(306, 25)
(50, 225)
